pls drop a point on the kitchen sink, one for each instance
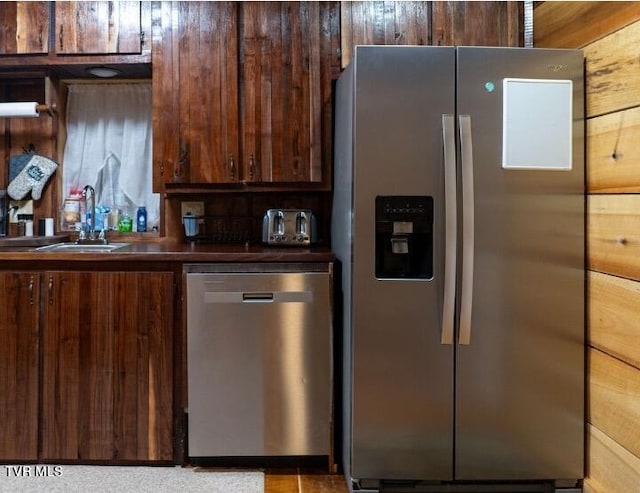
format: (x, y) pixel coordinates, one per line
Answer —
(81, 248)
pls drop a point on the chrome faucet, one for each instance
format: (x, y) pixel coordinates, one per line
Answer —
(89, 194)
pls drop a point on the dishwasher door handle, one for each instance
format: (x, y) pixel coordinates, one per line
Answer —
(258, 297)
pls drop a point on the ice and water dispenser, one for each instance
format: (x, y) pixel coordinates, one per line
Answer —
(404, 237)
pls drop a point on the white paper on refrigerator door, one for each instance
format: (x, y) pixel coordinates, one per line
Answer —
(537, 124)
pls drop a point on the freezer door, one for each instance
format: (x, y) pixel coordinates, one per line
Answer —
(401, 400)
(520, 367)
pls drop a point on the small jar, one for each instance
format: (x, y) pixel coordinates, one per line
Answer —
(125, 223)
(71, 210)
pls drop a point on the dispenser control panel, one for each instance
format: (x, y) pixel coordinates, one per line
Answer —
(402, 207)
(404, 237)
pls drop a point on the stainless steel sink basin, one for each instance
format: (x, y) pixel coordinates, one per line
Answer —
(79, 248)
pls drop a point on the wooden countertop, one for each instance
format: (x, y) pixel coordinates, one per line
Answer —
(152, 251)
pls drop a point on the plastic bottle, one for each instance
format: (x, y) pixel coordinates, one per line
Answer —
(141, 219)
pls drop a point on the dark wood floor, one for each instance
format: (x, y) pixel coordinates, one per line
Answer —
(303, 481)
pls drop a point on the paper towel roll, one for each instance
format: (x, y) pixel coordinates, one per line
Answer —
(18, 109)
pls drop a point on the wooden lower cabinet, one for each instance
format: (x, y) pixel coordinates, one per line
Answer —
(19, 340)
(107, 366)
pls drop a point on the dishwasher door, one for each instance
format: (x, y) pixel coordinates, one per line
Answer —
(259, 363)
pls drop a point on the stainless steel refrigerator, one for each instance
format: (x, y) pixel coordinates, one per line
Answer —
(458, 221)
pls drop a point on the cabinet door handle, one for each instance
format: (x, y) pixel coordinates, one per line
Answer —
(232, 168)
(183, 161)
(252, 166)
(51, 290)
(30, 288)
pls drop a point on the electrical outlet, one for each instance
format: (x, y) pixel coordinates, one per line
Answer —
(193, 208)
(21, 207)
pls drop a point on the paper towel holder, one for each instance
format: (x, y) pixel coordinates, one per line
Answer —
(35, 108)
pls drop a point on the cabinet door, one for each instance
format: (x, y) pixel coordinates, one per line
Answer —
(477, 23)
(98, 27)
(383, 23)
(107, 366)
(19, 366)
(285, 55)
(195, 93)
(24, 28)
(442, 23)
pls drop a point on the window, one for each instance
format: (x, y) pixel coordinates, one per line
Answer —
(108, 146)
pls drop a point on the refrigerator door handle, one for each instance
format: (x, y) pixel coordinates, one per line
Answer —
(448, 303)
(466, 295)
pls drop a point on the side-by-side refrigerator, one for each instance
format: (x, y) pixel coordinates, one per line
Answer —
(459, 224)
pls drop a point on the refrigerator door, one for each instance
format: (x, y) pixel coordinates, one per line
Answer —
(520, 356)
(402, 374)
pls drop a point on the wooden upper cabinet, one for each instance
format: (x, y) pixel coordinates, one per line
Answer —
(24, 28)
(452, 23)
(383, 23)
(477, 23)
(195, 93)
(242, 92)
(98, 28)
(285, 56)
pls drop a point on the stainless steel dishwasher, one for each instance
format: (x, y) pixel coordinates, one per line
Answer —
(259, 359)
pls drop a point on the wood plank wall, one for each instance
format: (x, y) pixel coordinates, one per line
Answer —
(609, 34)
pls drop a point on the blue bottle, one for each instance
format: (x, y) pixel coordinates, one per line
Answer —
(141, 219)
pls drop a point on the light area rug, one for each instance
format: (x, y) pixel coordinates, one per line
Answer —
(125, 479)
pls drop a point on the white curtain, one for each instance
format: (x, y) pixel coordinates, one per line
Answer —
(109, 145)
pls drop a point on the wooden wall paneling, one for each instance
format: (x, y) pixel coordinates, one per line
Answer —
(611, 468)
(613, 323)
(555, 22)
(613, 153)
(612, 72)
(24, 28)
(614, 393)
(613, 234)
